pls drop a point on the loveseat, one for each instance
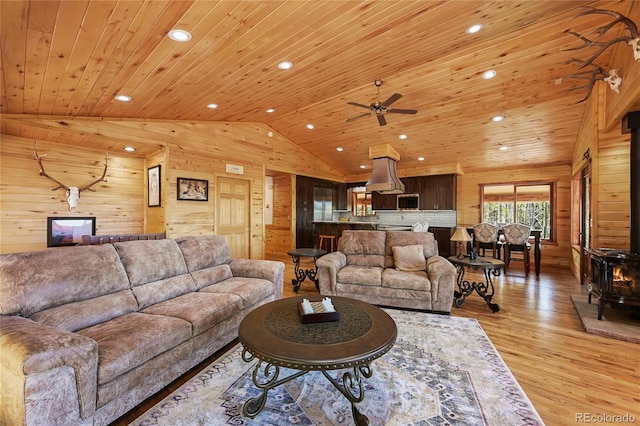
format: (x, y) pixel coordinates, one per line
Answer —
(389, 268)
(89, 332)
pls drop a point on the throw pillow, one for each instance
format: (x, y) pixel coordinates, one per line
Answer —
(409, 258)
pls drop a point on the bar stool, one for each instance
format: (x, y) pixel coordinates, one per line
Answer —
(328, 239)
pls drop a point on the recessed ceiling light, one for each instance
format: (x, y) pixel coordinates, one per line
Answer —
(420, 158)
(310, 126)
(474, 28)
(503, 148)
(212, 106)
(270, 110)
(339, 149)
(123, 98)
(362, 166)
(402, 136)
(498, 118)
(179, 35)
(285, 65)
(488, 75)
(270, 133)
(129, 149)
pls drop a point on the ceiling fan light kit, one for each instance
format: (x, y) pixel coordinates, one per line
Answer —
(379, 108)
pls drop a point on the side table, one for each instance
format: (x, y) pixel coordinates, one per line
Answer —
(484, 289)
(302, 274)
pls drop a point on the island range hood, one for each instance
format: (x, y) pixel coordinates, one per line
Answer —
(383, 176)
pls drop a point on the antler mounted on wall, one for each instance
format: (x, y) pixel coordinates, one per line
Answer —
(632, 40)
(597, 72)
(73, 192)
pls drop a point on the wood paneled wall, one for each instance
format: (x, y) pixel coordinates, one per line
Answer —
(27, 200)
(610, 177)
(200, 150)
(469, 208)
(280, 236)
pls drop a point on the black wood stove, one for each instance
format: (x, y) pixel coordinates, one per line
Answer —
(615, 274)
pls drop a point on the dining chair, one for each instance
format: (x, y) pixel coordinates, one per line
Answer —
(485, 236)
(516, 236)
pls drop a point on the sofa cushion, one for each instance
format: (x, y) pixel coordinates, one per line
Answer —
(202, 310)
(364, 275)
(203, 252)
(416, 280)
(40, 280)
(364, 248)
(409, 258)
(212, 275)
(250, 290)
(132, 339)
(407, 238)
(85, 313)
(156, 269)
(151, 260)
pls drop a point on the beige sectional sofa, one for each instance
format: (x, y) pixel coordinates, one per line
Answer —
(89, 332)
(389, 268)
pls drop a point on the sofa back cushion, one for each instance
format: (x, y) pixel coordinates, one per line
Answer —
(407, 238)
(58, 286)
(156, 270)
(363, 248)
(207, 258)
(204, 252)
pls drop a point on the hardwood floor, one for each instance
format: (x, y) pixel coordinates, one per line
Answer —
(570, 377)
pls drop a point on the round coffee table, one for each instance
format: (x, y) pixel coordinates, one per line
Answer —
(274, 334)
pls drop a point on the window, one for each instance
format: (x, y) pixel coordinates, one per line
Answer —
(528, 203)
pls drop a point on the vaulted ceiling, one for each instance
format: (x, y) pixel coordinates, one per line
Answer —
(72, 58)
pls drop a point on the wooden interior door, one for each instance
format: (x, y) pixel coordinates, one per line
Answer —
(232, 217)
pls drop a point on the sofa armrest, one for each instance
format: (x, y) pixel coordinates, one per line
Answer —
(265, 269)
(31, 362)
(328, 267)
(441, 273)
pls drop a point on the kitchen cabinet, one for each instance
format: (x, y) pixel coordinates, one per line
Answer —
(443, 237)
(438, 192)
(384, 201)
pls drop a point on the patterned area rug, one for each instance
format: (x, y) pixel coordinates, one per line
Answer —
(443, 370)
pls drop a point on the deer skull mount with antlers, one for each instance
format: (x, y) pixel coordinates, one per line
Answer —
(73, 192)
(595, 73)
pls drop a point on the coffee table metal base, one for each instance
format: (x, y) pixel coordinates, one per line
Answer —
(265, 377)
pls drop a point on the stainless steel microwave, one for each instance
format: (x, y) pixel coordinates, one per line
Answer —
(408, 202)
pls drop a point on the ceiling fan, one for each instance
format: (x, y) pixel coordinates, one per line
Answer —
(379, 108)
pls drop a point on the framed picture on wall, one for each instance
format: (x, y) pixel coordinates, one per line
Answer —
(68, 231)
(193, 189)
(154, 186)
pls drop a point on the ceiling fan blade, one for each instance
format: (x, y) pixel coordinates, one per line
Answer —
(359, 105)
(381, 120)
(349, 120)
(402, 111)
(391, 99)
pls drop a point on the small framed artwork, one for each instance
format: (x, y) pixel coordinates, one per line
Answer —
(193, 189)
(68, 231)
(154, 186)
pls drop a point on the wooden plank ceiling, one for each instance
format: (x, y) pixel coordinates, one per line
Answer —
(71, 58)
